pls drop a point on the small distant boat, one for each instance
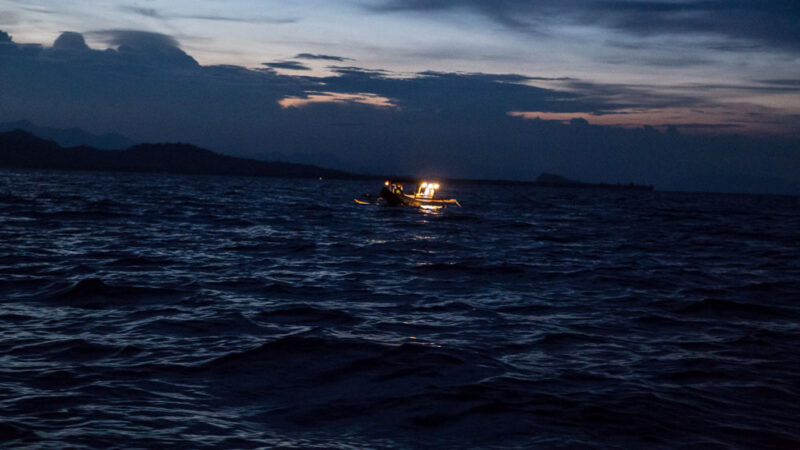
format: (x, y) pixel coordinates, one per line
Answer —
(393, 194)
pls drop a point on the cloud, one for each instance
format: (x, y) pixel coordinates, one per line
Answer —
(321, 57)
(771, 23)
(791, 84)
(141, 40)
(334, 97)
(39, 9)
(701, 125)
(147, 12)
(779, 87)
(155, 47)
(677, 119)
(8, 18)
(476, 94)
(775, 23)
(70, 40)
(268, 20)
(290, 65)
(516, 14)
(445, 123)
(626, 96)
(156, 14)
(660, 60)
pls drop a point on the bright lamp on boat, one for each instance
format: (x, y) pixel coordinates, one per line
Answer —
(424, 196)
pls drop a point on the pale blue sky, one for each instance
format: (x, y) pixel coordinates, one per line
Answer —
(730, 53)
(405, 38)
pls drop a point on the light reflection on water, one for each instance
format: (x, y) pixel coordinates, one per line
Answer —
(239, 312)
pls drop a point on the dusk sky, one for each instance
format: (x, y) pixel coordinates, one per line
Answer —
(269, 73)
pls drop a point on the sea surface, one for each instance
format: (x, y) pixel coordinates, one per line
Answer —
(159, 311)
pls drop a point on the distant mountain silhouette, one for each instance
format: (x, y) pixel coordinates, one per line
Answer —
(71, 137)
(549, 179)
(22, 150)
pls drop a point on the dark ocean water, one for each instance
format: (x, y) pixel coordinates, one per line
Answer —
(187, 311)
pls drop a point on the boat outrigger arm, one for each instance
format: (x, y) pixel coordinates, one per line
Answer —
(393, 195)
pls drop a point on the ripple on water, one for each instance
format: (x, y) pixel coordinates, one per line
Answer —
(192, 311)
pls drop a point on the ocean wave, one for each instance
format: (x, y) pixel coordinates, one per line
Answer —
(304, 314)
(470, 267)
(729, 308)
(176, 311)
(94, 293)
(73, 350)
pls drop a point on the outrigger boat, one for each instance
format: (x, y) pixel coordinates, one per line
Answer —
(392, 194)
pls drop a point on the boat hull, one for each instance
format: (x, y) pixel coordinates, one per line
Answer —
(395, 199)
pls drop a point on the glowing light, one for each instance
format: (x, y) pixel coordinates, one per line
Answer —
(427, 190)
(386, 183)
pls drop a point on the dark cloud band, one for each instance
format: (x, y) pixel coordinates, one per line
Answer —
(772, 23)
(321, 57)
(291, 65)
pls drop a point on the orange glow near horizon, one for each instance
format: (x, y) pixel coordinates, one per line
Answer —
(627, 118)
(733, 119)
(363, 98)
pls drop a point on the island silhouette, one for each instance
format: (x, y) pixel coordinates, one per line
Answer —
(71, 137)
(20, 149)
